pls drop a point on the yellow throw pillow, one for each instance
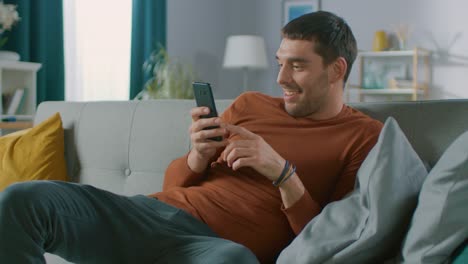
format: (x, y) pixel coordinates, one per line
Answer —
(33, 154)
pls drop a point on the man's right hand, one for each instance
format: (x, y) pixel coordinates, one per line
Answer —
(203, 148)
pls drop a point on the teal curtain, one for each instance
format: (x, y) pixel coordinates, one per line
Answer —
(38, 37)
(148, 31)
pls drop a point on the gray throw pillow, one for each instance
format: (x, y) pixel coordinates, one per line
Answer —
(440, 222)
(368, 225)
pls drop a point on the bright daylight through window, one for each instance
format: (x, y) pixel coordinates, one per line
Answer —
(97, 49)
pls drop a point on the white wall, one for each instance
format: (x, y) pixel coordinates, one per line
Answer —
(197, 31)
(440, 26)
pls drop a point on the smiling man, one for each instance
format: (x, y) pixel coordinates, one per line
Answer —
(280, 162)
(311, 87)
(283, 159)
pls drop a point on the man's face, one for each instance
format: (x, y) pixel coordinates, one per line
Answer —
(303, 77)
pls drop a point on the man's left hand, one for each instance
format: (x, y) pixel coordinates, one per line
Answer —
(253, 151)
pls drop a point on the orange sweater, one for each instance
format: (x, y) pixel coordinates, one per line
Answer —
(244, 206)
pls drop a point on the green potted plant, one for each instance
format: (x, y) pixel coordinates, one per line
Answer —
(171, 77)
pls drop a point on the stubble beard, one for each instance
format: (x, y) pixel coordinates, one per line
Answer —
(301, 109)
(305, 106)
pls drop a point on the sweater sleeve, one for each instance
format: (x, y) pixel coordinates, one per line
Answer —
(179, 174)
(301, 212)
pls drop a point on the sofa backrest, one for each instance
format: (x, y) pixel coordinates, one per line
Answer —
(126, 146)
(430, 126)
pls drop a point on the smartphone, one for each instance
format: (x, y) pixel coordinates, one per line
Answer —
(204, 97)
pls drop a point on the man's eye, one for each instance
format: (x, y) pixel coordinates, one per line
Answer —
(297, 67)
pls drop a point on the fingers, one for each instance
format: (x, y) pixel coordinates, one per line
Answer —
(234, 155)
(203, 123)
(196, 112)
(204, 135)
(239, 149)
(209, 145)
(236, 144)
(243, 162)
(237, 130)
(203, 145)
(201, 131)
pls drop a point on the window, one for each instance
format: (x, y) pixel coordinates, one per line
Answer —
(97, 49)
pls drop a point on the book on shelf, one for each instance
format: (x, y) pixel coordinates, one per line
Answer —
(6, 98)
(15, 102)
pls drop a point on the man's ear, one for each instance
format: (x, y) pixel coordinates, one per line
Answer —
(337, 70)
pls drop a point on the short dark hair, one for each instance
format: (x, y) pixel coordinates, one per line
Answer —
(332, 36)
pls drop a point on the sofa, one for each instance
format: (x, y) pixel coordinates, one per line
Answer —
(125, 146)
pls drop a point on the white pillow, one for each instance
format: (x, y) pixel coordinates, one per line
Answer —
(440, 222)
(368, 225)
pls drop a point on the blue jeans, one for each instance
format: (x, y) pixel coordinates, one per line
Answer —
(83, 224)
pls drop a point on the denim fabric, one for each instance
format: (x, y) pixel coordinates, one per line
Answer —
(83, 224)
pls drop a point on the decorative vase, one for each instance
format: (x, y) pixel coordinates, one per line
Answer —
(9, 55)
(380, 41)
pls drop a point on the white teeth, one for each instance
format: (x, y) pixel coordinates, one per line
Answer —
(289, 93)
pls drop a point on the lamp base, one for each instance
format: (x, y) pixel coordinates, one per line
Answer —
(245, 77)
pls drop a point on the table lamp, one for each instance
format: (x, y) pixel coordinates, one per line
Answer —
(245, 52)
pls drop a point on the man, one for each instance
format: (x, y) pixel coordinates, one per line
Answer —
(281, 161)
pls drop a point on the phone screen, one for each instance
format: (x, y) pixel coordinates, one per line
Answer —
(204, 97)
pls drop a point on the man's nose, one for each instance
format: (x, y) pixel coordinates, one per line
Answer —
(284, 76)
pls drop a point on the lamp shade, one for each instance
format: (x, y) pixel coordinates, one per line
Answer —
(245, 51)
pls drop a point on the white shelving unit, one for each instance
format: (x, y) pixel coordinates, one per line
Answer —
(18, 75)
(420, 76)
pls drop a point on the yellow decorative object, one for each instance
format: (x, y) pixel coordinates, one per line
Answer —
(380, 41)
(33, 154)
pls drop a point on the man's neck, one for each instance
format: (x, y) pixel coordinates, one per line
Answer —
(333, 106)
(329, 111)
